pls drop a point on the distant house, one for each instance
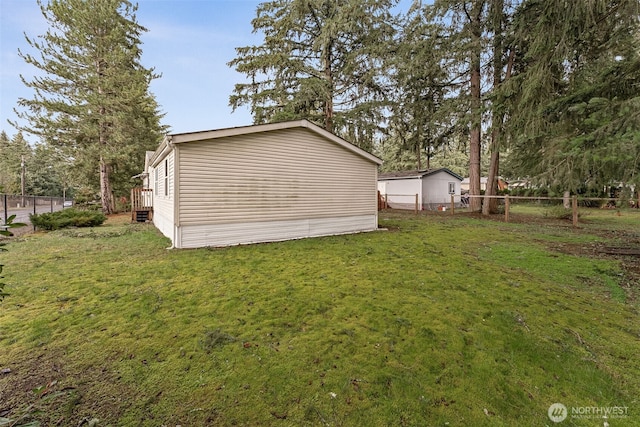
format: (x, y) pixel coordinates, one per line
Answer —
(502, 184)
(433, 188)
(261, 183)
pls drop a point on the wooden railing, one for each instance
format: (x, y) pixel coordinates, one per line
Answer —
(141, 204)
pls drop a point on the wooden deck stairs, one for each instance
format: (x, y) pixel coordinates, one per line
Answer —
(141, 204)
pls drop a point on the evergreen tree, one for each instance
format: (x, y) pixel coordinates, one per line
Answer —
(93, 100)
(13, 152)
(557, 84)
(44, 173)
(320, 60)
(4, 163)
(574, 98)
(464, 24)
(451, 155)
(420, 85)
(500, 14)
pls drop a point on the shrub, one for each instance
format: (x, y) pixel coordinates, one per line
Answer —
(4, 231)
(560, 212)
(68, 218)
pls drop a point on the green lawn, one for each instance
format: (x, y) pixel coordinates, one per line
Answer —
(439, 321)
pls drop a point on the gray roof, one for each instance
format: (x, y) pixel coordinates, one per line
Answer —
(416, 174)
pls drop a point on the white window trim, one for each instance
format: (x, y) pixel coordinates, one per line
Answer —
(452, 187)
(166, 177)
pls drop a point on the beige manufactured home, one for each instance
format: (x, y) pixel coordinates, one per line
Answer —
(261, 183)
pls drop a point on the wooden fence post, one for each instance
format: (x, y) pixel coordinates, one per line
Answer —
(574, 206)
(506, 208)
(416, 204)
(453, 205)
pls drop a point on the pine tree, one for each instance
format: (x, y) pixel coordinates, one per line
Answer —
(93, 100)
(320, 60)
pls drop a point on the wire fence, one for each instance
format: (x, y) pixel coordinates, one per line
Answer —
(567, 207)
(23, 206)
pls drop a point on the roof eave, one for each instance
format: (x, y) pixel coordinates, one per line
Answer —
(165, 146)
(180, 138)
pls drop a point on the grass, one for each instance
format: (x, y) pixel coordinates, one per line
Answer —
(439, 321)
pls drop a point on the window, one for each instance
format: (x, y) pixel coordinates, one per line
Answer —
(155, 180)
(166, 177)
(452, 188)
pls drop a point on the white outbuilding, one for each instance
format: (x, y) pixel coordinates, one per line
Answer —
(261, 183)
(428, 189)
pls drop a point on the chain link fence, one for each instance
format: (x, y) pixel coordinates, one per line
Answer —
(23, 206)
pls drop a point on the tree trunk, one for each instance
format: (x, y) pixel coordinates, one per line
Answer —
(490, 205)
(328, 102)
(105, 168)
(428, 165)
(418, 150)
(105, 187)
(476, 107)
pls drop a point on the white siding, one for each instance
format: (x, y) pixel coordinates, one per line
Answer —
(401, 193)
(432, 191)
(435, 190)
(269, 186)
(194, 236)
(163, 206)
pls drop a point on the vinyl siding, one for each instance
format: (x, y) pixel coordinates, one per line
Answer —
(163, 205)
(436, 190)
(432, 190)
(401, 193)
(283, 175)
(195, 236)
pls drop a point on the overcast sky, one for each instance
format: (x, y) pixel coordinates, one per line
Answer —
(189, 42)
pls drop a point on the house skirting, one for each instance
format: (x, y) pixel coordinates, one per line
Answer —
(207, 235)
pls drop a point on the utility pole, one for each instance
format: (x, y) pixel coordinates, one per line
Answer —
(22, 175)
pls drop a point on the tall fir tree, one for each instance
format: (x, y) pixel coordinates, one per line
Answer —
(555, 83)
(320, 60)
(574, 99)
(92, 100)
(464, 24)
(418, 121)
(502, 58)
(14, 153)
(4, 163)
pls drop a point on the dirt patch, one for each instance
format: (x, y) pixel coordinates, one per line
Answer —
(628, 256)
(42, 387)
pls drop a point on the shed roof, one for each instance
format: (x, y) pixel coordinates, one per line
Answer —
(416, 174)
(181, 138)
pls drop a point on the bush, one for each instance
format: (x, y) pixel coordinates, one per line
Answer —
(67, 218)
(560, 212)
